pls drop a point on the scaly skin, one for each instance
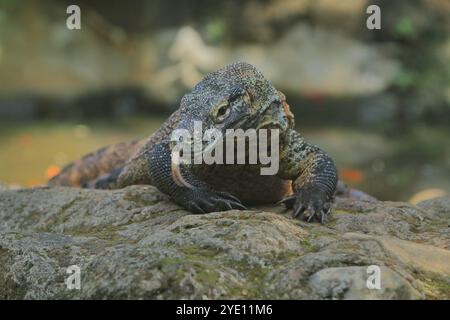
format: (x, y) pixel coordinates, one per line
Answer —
(234, 97)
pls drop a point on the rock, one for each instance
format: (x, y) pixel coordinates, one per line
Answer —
(136, 243)
(438, 205)
(350, 283)
(158, 68)
(331, 64)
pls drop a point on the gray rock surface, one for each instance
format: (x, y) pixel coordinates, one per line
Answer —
(351, 283)
(135, 243)
(168, 62)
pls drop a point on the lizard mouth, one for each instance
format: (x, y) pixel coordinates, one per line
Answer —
(269, 125)
(272, 117)
(211, 145)
(264, 120)
(268, 120)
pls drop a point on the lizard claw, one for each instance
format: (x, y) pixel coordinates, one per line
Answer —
(288, 201)
(308, 205)
(228, 196)
(194, 207)
(299, 210)
(323, 215)
(209, 201)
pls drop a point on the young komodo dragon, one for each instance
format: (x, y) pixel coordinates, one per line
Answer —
(234, 97)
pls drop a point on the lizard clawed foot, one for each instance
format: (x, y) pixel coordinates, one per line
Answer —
(308, 205)
(204, 201)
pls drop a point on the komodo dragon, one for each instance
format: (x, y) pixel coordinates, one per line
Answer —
(234, 97)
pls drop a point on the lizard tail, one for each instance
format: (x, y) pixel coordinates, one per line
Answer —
(96, 165)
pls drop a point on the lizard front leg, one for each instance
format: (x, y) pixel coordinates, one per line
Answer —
(314, 178)
(184, 187)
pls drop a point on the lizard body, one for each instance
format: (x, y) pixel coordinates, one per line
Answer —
(234, 97)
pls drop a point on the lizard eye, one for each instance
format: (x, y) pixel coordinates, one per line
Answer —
(221, 112)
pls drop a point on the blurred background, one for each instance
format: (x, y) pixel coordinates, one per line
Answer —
(378, 101)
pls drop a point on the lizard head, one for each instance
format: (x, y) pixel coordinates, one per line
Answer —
(235, 97)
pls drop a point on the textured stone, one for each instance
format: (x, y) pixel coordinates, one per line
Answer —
(136, 243)
(350, 283)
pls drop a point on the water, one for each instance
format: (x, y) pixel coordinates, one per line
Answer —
(388, 167)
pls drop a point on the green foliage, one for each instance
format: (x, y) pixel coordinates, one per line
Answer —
(215, 30)
(405, 29)
(5, 3)
(405, 79)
